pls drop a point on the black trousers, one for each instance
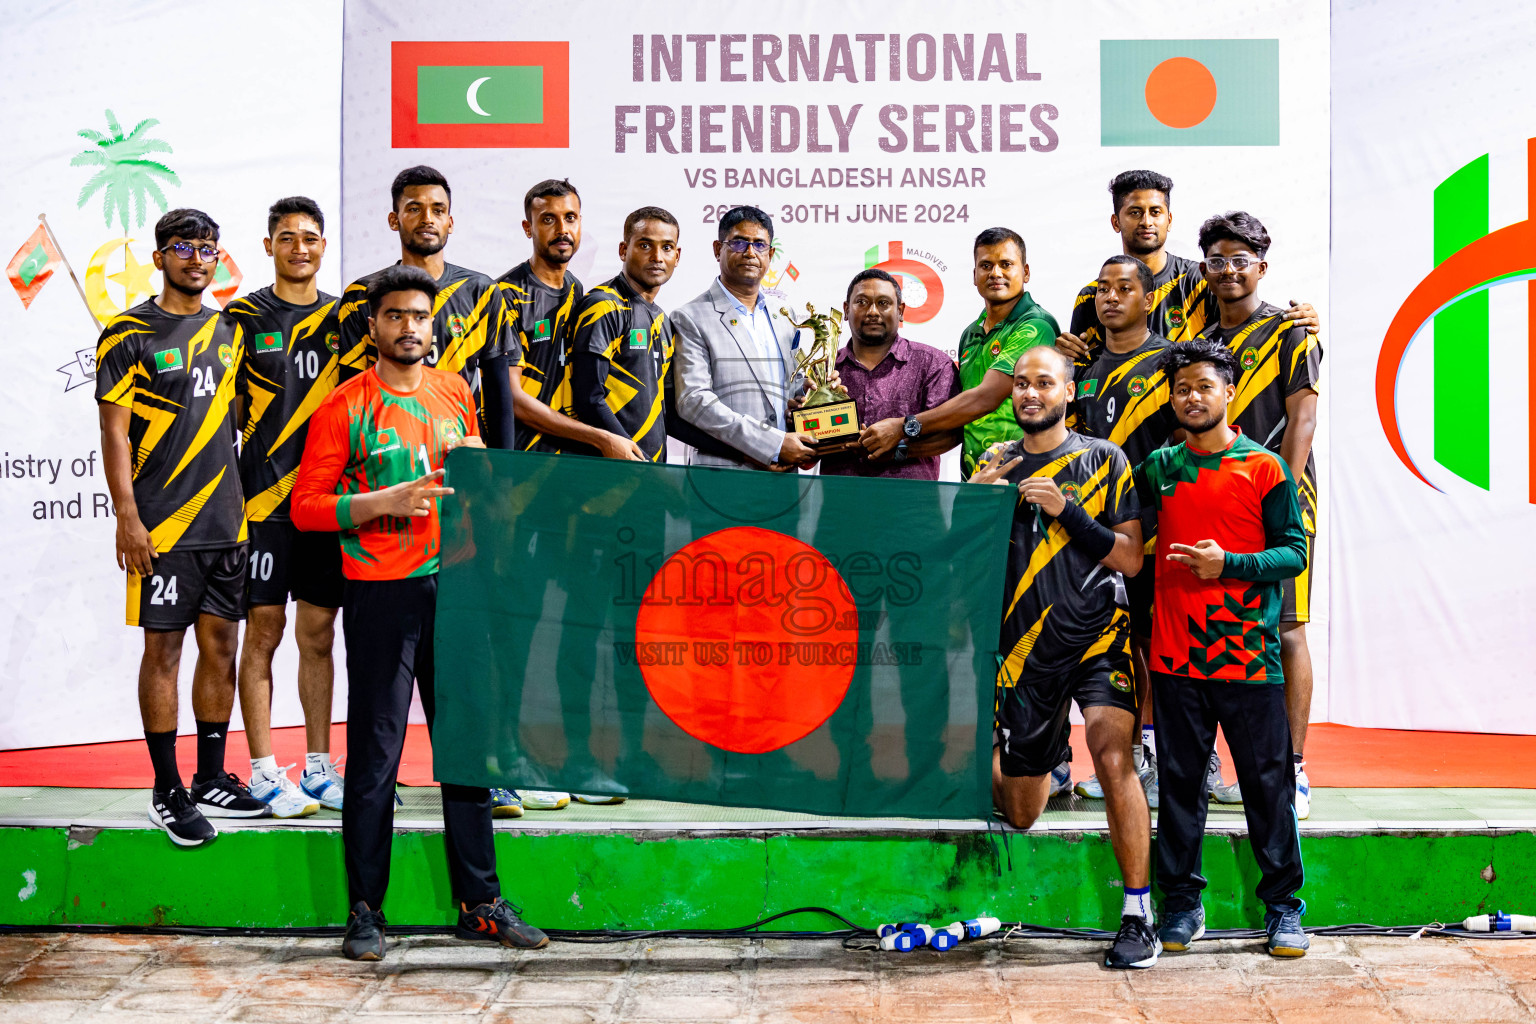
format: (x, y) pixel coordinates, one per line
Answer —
(1259, 735)
(388, 626)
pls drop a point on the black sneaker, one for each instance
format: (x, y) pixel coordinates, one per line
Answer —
(223, 796)
(1137, 944)
(499, 922)
(175, 812)
(365, 934)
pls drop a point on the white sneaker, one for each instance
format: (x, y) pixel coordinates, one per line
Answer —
(277, 791)
(1147, 772)
(599, 798)
(1061, 779)
(1303, 792)
(325, 785)
(1219, 791)
(1090, 788)
(543, 799)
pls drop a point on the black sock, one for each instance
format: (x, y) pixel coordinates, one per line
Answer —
(1298, 759)
(162, 754)
(210, 749)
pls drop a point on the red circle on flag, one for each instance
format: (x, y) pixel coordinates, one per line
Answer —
(747, 639)
(1181, 92)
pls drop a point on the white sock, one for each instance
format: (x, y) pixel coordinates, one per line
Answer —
(1138, 903)
(264, 764)
(314, 762)
(1149, 739)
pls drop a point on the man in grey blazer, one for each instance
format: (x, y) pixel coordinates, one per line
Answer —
(734, 359)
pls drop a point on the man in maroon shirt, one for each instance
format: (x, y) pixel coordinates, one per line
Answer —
(888, 377)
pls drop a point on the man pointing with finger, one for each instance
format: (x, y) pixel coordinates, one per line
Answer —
(372, 469)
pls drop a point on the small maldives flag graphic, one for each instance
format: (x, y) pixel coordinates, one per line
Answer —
(480, 95)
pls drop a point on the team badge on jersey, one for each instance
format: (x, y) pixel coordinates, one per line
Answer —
(1120, 681)
(170, 359)
(384, 441)
(1070, 492)
(449, 434)
(333, 341)
(1174, 318)
(226, 356)
(997, 348)
(1250, 358)
(269, 341)
(456, 326)
(1088, 388)
(637, 338)
(1137, 386)
(541, 331)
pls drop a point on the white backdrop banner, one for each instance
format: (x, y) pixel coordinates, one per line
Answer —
(224, 108)
(1432, 200)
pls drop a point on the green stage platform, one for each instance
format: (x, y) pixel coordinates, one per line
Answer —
(1383, 856)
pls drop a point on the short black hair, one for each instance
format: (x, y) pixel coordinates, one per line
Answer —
(421, 174)
(1201, 350)
(1126, 182)
(294, 204)
(1067, 366)
(737, 214)
(1235, 226)
(399, 278)
(549, 188)
(996, 236)
(184, 223)
(648, 213)
(1143, 272)
(874, 274)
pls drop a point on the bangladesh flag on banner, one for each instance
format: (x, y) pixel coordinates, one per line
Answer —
(719, 636)
(33, 265)
(1189, 92)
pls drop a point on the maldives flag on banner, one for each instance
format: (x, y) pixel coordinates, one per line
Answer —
(32, 266)
(480, 95)
(719, 636)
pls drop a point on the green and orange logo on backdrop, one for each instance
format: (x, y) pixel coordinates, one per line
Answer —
(1189, 92)
(486, 95)
(1469, 260)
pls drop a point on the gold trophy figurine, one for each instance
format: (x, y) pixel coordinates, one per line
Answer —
(827, 414)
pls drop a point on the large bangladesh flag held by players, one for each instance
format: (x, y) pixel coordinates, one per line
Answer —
(822, 644)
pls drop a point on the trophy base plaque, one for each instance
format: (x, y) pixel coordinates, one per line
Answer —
(834, 426)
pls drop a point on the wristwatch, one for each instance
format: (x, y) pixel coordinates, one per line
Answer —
(912, 427)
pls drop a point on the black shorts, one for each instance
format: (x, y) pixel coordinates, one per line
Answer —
(1032, 730)
(1296, 592)
(187, 584)
(286, 560)
(1138, 594)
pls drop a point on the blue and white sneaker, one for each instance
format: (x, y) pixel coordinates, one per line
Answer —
(544, 799)
(1061, 779)
(1090, 788)
(505, 803)
(1283, 926)
(1303, 792)
(1147, 773)
(277, 791)
(325, 785)
(1181, 928)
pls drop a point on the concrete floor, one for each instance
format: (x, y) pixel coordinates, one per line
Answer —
(437, 979)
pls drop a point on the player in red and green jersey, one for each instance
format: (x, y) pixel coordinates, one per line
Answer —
(470, 326)
(621, 346)
(1179, 305)
(1229, 531)
(1280, 366)
(1011, 323)
(372, 469)
(289, 365)
(1076, 528)
(1122, 397)
(165, 389)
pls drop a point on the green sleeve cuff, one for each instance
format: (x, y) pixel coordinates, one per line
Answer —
(344, 512)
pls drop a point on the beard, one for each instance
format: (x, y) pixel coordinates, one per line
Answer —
(416, 248)
(552, 255)
(1048, 419)
(1200, 426)
(407, 359)
(874, 340)
(185, 289)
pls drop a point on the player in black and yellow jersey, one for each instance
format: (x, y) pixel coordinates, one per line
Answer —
(1179, 305)
(469, 324)
(165, 389)
(290, 363)
(621, 344)
(1122, 397)
(540, 296)
(1275, 406)
(1076, 529)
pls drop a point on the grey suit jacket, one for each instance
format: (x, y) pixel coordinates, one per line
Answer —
(724, 386)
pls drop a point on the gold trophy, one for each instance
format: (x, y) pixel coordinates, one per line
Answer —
(827, 414)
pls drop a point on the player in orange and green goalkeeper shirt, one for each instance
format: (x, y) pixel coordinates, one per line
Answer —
(372, 469)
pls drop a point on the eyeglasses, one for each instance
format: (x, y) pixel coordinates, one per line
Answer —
(185, 250)
(1218, 264)
(742, 245)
